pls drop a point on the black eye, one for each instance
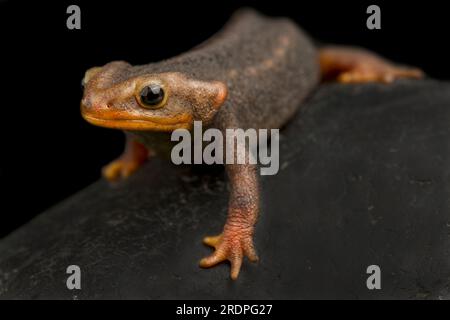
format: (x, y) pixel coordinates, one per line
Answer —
(152, 96)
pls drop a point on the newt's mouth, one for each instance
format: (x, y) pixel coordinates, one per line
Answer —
(180, 122)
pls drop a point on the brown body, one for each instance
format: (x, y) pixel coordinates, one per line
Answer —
(254, 73)
(268, 66)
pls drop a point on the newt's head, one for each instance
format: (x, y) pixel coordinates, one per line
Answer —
(120, 96)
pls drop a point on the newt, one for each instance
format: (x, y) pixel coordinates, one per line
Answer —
(254, 73)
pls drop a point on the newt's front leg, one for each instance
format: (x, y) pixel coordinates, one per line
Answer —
(236, 239)
(131, 159)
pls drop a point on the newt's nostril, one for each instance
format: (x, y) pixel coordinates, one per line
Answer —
(94, 104)
(85, 102)
(89, 103)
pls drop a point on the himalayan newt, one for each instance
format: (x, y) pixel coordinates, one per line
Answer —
(254, 73)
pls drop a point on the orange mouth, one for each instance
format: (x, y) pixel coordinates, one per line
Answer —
(182, 122)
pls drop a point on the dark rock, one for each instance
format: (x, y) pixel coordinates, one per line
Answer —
(364, 179)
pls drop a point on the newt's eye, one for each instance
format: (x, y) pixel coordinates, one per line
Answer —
(152, 96)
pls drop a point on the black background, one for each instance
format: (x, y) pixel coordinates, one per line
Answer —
(48, 151)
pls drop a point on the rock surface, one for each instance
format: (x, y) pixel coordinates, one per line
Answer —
(364, 180)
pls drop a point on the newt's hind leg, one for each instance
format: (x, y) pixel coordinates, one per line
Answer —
(354, 65)
(131, 159)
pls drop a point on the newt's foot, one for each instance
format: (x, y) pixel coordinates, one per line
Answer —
(231, 245)
(120, 168)
(378, 73)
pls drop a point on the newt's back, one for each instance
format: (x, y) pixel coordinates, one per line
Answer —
(268, 64)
